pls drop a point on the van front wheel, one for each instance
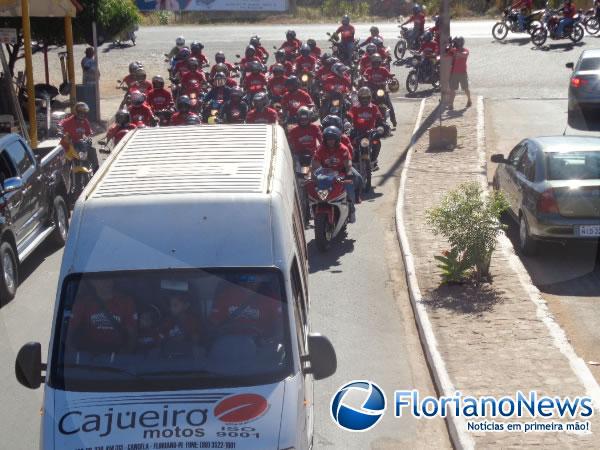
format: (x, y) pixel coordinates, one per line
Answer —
(10, 273)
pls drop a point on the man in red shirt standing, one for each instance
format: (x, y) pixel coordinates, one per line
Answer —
(346, 32)
(294, 98)
(306, 137)
(261, 113)
(458, 74)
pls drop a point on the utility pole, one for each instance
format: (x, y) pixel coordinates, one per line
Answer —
(95, 42)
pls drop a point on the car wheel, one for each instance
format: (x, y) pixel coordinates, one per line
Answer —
(60, 218)
(10, 272)
(527, 245)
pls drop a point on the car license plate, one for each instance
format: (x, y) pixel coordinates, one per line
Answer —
(589, 230)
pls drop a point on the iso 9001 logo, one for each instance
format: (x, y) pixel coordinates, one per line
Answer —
(358, 405)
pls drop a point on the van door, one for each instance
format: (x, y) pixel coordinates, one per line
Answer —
(302, 327)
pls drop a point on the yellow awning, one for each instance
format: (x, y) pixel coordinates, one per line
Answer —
(40, 8)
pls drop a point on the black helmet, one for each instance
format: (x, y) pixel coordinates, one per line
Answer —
(364, 96)
(219, 79)
(305, 50)
(278, 69)
(192, 119)
(374, 31)
(184, 104)
(311, 43)
(183, 54)
(376, 59)
(158, 82)
(140, 75)
(371, 49)
(196, 46)
(332, 121)
(459, 42)
(290, 34)
(250, 51)
(303, 115)
(260, 100)
(416, 9)
(193, 64)
(122, 117)
(346, 19)
(324, 57)
(255, 41)
(133, 66)
(280, 56)
(220, 67)
(339, 69)
(427, 37)
(254, 66)
(332, 133)
(378, 41)
(138, 99)
(236, 92)
(81, 110)
(292, 83)
(219, 57)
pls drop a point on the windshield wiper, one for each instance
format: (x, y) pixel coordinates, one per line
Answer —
(99, 368)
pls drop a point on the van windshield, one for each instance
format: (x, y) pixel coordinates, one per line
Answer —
(166, 330)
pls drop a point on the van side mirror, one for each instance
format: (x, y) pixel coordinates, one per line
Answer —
(28, 366)
(499, 159)
(321, 354)
(12, 184)
(570, 65)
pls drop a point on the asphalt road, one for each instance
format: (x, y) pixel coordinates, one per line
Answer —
(358, 289)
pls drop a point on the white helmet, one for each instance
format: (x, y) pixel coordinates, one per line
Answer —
(180, 41)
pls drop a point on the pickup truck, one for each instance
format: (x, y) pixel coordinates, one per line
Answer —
(33, 204)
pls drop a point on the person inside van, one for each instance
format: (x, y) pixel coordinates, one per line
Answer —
(181, 332)
(148, 336)
(103, 319)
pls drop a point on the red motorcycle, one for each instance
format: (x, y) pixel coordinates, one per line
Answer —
(329, 205)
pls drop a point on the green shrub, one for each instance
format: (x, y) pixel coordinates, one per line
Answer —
(334, 8)
(470, 222)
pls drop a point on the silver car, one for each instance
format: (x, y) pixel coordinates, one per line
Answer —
(553, 187)
(584, 91)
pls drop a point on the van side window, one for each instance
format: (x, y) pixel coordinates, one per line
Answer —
(20, 156)
(299, 298)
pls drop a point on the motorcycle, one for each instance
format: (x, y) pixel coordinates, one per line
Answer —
(124, 36)
(510, 22)
(423, 71)
(302, 165)
(549, 29)
(591, 21)
(329, 205)
(81, 167)
(405, 42)
(164, 117)
(334, 103)
(210, 112)
(368, 146)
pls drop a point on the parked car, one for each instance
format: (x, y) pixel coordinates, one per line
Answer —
(553, 187)
(34, 186)
(584, 91)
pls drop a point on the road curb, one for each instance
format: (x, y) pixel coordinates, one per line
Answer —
(460, 439)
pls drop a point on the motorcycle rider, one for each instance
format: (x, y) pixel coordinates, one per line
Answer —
(305, 63)
(219, 92)
(159, 98)
(294, 98)
(314, 49)
(249, 57)
(339, 79)
(385, 54)
(76, 128)
(261, 112)
(193, 74)
(234, 110)
(365, 116)
(332, 154)
(524, 9)
(324, 70)
(365, 61)
(305, 138)
(276, 84)
(140, 112)
(179, 44)
(184, 114)
(430, 51)
(374, 33)
(376, 78)
(129, 79)
(255, 81)
(347, 38)
(196, 52)
(291, 45)
(336, 121)
(568, 11)
(220, 59)
(120, 128)
(141, 83)
(261, 52)
(418, 18)
(280, 58)
(180, 66)
(231, 82)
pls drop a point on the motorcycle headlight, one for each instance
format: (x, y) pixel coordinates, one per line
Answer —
(304, 78)
(381, 131)
(214, 112)
(82, 155)
(380, 92)
(364, 142)
(323, 193)
(336, 102)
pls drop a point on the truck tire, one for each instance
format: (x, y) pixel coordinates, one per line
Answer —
(60, 218)
(10, 272)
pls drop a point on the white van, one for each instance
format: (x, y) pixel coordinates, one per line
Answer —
(182, 311)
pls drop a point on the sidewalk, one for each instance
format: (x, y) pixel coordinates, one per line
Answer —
(497, 338)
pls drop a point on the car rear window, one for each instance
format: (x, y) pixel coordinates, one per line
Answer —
(590, 64)
(573, 165)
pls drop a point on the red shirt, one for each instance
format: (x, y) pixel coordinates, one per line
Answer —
(129, 80)
(316, 51)
(181, 68)
(365, 118)
(430, 48)
(100, 330)
(201, 57)
(116, 132)
(262, 52)
(346, 32)
(144, 87)
(289, 68)
(188, 77)
(334, 159)
(365, 62)
(292, 101)
(291, 46)
(305, 63)
(181, 118)
(160, 99)
(459, 60)
(323, 73)
(370, 39)
(141, 113)
(267, 115)
(569, 10)
(75, 128)
(255, 82)
(377, 76)
(335, 83)
(213, 70)
(305, 140)
(419, 20)
(276, 86)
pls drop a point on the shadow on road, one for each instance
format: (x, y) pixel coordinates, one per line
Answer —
(566, 47)
(319, 261)
(520, 41)
(464, 298)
